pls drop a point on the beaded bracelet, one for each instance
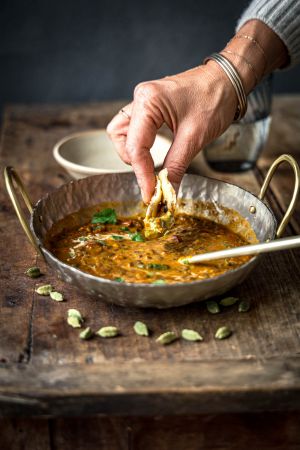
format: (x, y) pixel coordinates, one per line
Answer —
(254, 42)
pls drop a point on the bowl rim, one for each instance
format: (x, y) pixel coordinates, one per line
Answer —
(69, 165)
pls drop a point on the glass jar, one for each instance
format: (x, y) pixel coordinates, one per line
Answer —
(239, 147)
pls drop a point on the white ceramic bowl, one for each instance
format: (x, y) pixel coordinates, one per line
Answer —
(92, 152)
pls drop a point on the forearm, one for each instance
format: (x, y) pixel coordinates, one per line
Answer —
(274, 28)
(283, 17)
(255, 51)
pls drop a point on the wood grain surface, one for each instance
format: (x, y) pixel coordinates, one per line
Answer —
(46, 370)
(263, 431)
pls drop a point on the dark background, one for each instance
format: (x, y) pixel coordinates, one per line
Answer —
(75, 50)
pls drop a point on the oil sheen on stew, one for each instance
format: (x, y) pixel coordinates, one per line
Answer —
(115, 248)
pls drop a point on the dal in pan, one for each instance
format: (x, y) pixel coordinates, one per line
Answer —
(146, 249)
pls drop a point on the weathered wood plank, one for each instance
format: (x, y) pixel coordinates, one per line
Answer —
(234, 432)
(266, 431)
(91, 433)
(35, 332)
(165, 388)
(16, 297)
(24, 434)
(63, 345)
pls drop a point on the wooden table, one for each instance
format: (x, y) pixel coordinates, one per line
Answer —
(130, 392)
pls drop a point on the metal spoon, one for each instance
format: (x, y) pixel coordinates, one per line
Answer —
(266, 247)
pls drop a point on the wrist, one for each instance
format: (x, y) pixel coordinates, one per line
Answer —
(255, 52)
(276, 53)
(221, 86)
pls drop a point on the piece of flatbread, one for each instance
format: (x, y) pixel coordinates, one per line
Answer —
(155, 201)
(168, 192)
(160, 212)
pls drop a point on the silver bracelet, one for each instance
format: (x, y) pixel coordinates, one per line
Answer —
(236, 81)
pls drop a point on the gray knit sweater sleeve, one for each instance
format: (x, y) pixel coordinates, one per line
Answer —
(283, 16)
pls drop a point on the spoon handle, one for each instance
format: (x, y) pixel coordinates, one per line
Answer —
(265, 247)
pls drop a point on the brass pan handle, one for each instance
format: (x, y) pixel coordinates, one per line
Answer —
(293, 163)
(11, 178)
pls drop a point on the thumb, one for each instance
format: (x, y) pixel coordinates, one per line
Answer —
(181, 153)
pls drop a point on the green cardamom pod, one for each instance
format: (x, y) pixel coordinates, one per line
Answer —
(229, 301)
(57, 296)
(44, 290)
(166, 338)
(191, 335)
(141, 329)
(223, 333)
(86, 333)
(75, 313)
(244, 305)
(108, 332)
(33, 272)
(212, 306)
(74, 321)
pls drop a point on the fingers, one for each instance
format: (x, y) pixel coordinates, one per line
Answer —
(141, 135)
(184, 147)
(117, 130)
(134, 136)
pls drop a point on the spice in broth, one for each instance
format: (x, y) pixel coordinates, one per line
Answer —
(116, 248)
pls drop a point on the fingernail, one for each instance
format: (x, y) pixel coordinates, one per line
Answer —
(144, 197)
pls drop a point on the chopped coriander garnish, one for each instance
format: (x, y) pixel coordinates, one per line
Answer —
(152, 266)
(124, 228)
(159, 282)
(107, 215)
(138, 237)
(117, 238)
(158, 266)
(119, 279)
(99, 227)
(82, 238)
(184, 261)
(103, 243)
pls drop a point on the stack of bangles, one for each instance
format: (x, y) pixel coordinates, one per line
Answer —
(236, 81)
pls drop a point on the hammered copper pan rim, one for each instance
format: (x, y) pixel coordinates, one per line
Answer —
(153, 286)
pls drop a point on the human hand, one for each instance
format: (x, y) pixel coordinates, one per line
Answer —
(197, 105)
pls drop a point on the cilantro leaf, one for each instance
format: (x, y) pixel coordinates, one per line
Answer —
(138, 237)
(159, 282)
(158, 266)
(119, 279)
(107, 215)
(100, 242)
